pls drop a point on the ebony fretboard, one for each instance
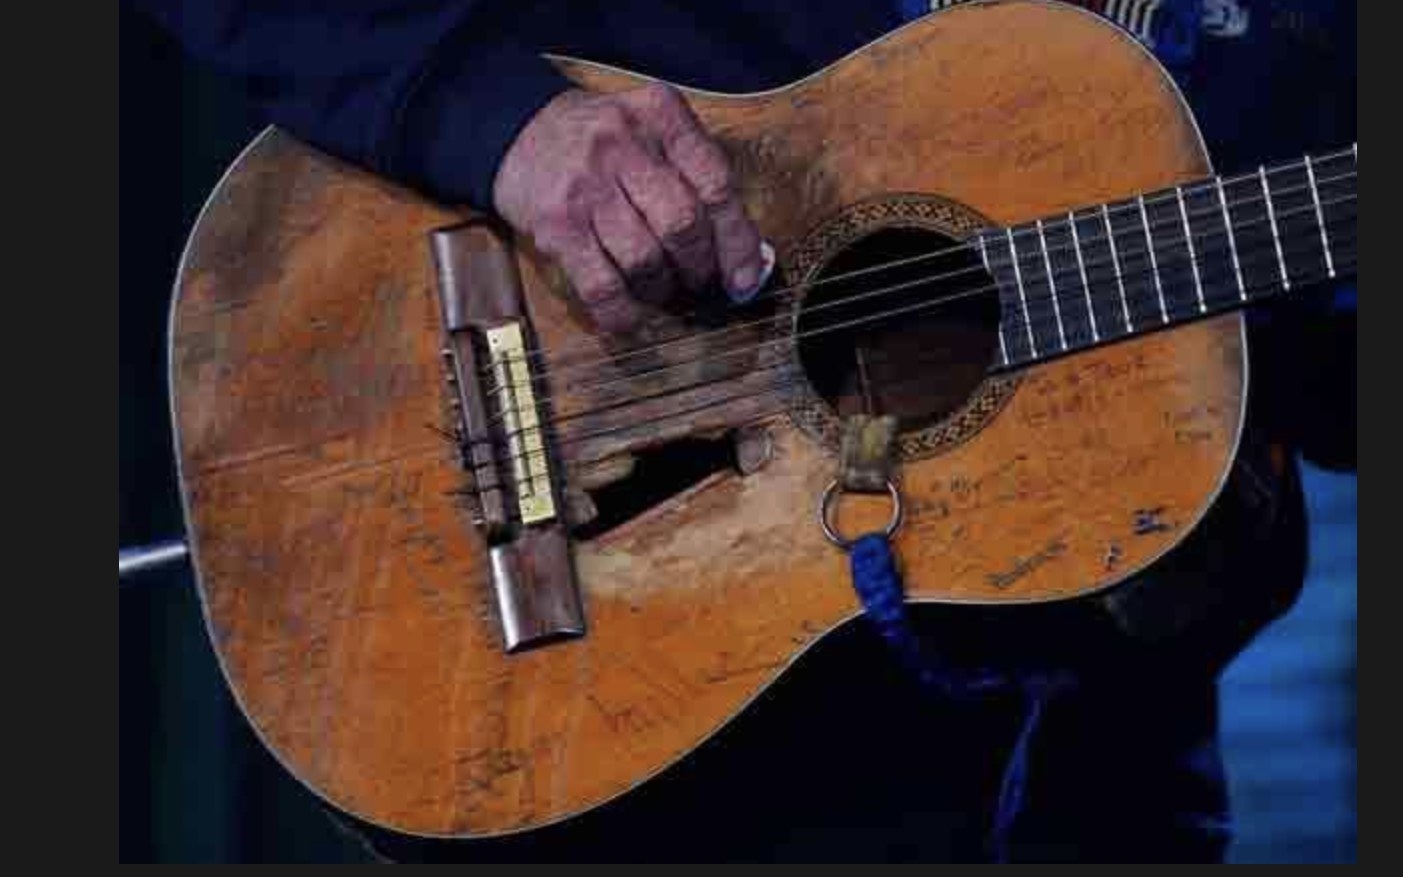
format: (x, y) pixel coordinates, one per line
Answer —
(1100, 274)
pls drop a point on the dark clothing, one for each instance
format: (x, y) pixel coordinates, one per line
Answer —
(432, 92)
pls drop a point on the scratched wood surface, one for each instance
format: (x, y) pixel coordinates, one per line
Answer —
(347, 594)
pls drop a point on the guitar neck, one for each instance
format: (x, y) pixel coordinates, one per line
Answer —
(1161, 259)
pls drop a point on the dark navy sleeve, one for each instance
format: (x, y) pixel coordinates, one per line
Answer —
(429, 93)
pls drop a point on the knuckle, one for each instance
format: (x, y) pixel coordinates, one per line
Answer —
(555, 226)
(600, 292)
(663, 96)
(580, 192)
(608, 121)
(603, 150)
(715, 183)
(643, 262)
(681, 223)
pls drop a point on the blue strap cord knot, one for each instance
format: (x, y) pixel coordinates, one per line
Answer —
(878, 586)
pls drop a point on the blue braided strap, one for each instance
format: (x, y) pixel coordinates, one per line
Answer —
(878, 586)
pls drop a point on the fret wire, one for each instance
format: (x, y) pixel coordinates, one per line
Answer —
(1052, 286)
(1022, 297)
(1320, 219)
(1193, 256)
(1154, 262)
(1115, 263)
(1081, 267)
(1232, 242)
(1275, 234)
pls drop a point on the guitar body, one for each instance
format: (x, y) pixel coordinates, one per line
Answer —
(346, 589)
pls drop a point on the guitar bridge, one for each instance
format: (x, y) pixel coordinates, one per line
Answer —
(486, 331)
(516, 399)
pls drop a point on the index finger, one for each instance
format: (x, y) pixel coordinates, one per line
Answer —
(703, 164)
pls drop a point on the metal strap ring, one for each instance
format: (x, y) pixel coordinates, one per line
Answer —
(826, 504)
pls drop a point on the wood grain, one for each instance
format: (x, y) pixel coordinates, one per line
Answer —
(346, 591)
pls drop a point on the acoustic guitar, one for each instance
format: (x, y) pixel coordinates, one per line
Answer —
(471, 567)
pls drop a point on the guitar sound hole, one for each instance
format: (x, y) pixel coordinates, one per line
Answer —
(912, 340)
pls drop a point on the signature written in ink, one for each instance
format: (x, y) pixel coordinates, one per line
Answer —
(1149, 521)
(1024, 566)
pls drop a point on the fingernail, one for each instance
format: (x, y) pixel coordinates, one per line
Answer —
(743, 281)
(747, 281)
